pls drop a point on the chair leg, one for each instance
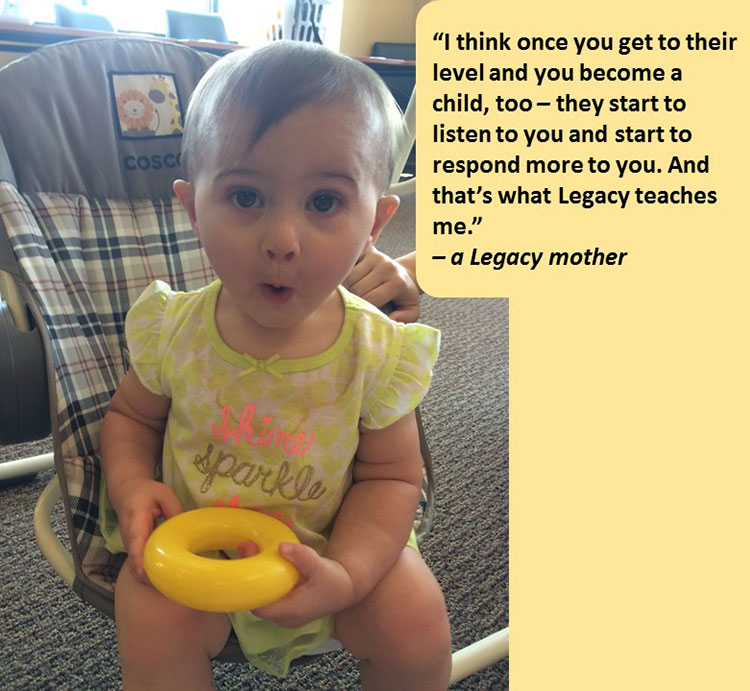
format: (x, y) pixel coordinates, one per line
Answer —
(52, 549)
(479, 655)
(26, 466)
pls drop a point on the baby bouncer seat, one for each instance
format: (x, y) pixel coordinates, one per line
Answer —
(90, 134)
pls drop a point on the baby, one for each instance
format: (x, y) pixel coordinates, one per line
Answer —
(277, 389)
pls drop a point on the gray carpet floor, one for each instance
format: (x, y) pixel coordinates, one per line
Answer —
(50, 639)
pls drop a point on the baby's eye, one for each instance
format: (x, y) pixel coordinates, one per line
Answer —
(246, 199)
(323, 202)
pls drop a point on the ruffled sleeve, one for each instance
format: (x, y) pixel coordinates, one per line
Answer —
(143, 331)
(404, 382)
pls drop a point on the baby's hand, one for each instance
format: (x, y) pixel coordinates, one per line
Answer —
(325, 587)
(142, 501)
(379, 279)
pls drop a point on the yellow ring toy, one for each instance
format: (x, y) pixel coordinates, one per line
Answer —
(176, 569)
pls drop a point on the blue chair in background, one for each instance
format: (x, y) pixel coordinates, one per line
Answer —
(74, 19)
(196, 26)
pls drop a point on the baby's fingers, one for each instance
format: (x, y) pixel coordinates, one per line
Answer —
(141, 525)
(297, 608)
(406, 314)
(135, 541)
(247, 549)
(168, 505)
(305, 559)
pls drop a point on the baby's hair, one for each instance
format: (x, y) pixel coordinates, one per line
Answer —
(251, 90)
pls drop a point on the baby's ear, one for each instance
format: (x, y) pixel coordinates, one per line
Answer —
(386, 207)
(186, 194)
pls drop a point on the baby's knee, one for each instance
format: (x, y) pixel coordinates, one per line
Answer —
(403, 622)
(149, 624)
(144, 619)
(417, 618)
(422, 620)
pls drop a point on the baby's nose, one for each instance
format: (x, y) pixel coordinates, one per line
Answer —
(282, 241)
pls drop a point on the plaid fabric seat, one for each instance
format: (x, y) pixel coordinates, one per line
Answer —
(85, 262)
(83, 247)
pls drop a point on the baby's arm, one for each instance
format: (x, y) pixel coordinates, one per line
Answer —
(369, 533)
(377, 514)
(131, 444)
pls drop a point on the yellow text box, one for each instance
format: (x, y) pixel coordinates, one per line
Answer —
(629, 337)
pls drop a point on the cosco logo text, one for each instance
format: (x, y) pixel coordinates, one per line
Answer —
(154, 162)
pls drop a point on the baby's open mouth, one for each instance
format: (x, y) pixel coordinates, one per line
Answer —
(277, 293)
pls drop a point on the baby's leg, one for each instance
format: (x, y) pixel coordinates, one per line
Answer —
(400, 631)
(164, 645)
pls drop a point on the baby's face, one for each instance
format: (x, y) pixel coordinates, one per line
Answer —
(284, 223)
